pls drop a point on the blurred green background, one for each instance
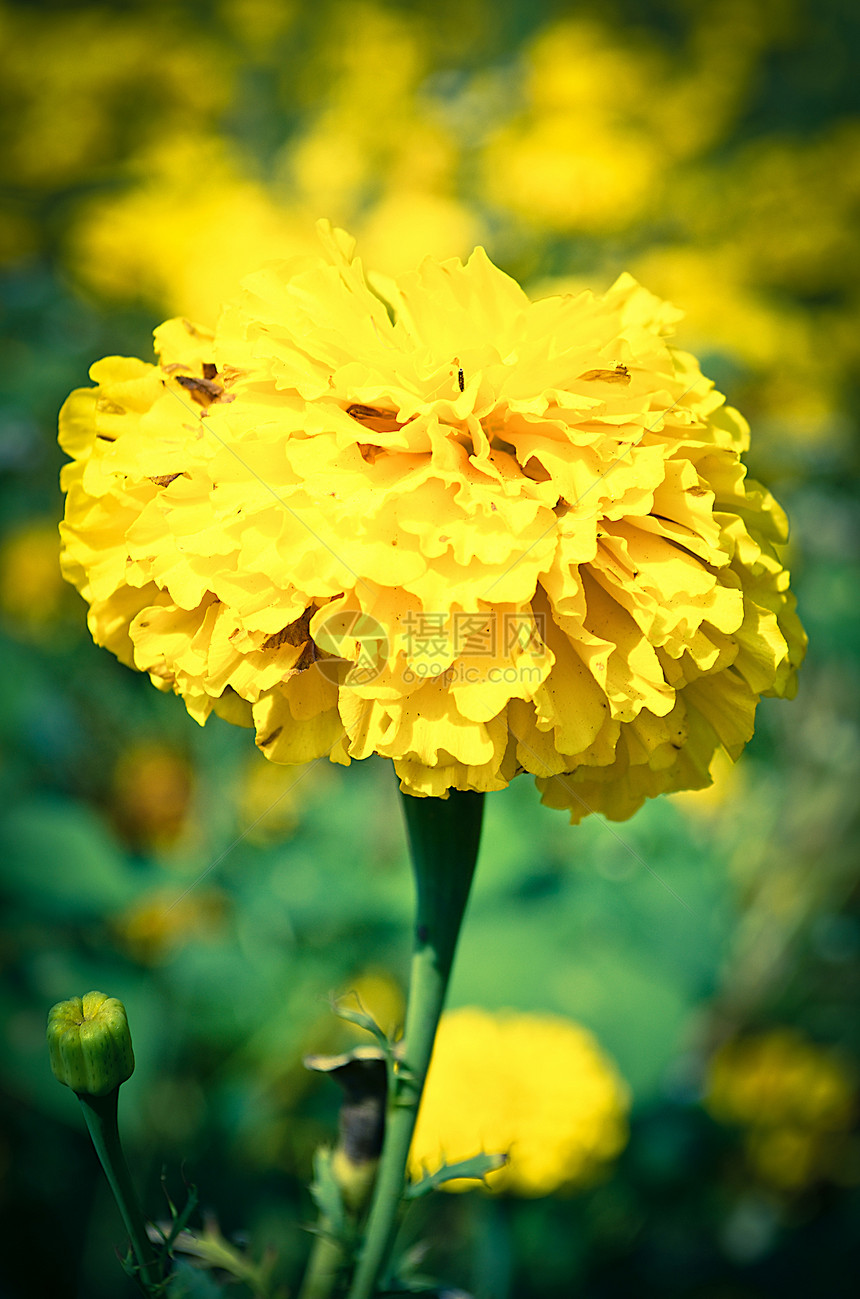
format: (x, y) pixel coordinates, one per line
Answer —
(150, 154)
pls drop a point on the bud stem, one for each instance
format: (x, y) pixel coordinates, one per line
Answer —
(443, 841)
(100, 1116)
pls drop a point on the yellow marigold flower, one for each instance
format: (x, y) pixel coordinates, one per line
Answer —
(535, 1087)
(268, 799)
(797, 1101)
(152, 787)
(178, 243)
(161, 922)
(31, 586)
(430, 519)
(788, 1158)
(780, 1079)
(75, 87)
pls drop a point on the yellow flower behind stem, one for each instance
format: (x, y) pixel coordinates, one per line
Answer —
(536, 1087)
(431, 519)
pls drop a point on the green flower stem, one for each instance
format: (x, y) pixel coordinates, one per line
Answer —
(443, 839)
(325, 1266)
(100, 1115)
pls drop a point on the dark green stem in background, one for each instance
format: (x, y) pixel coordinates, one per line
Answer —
(444, 835)
(100, 1114)
(492, 1229)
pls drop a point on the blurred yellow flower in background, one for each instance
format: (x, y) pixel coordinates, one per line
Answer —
(80, 92)
(161, 922)
(765, 274)
(371, 128)
(798, 1101)
(184, 237)
(579, 156)
(186, 246)
(407, 225)
(727, 782)
(787, 206)
(268, 810)
(152, 788)
(196, 216)
(722, 308)
(375, 993)
(430, 519)
(791, 385)
(780, 1077)
(257, 25)
(606, 116)
(31, 584)
(535, 1087)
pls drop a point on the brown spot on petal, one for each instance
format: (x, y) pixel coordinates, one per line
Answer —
(164, 480)
(276, 640)
(210, 369)
(174, 366)
(270, 739)
(306, 659)
(295, 633)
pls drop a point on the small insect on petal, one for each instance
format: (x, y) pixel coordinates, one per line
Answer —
(381, 421)
(620, 374)
(365, 413)
(203, 391)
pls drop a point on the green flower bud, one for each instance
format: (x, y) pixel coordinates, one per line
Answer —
(90, 1044)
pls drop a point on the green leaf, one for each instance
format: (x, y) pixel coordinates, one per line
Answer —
(362, 1020)
(327, 1196)
(477, 1167)
(210, 1250)
(179, 1221)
